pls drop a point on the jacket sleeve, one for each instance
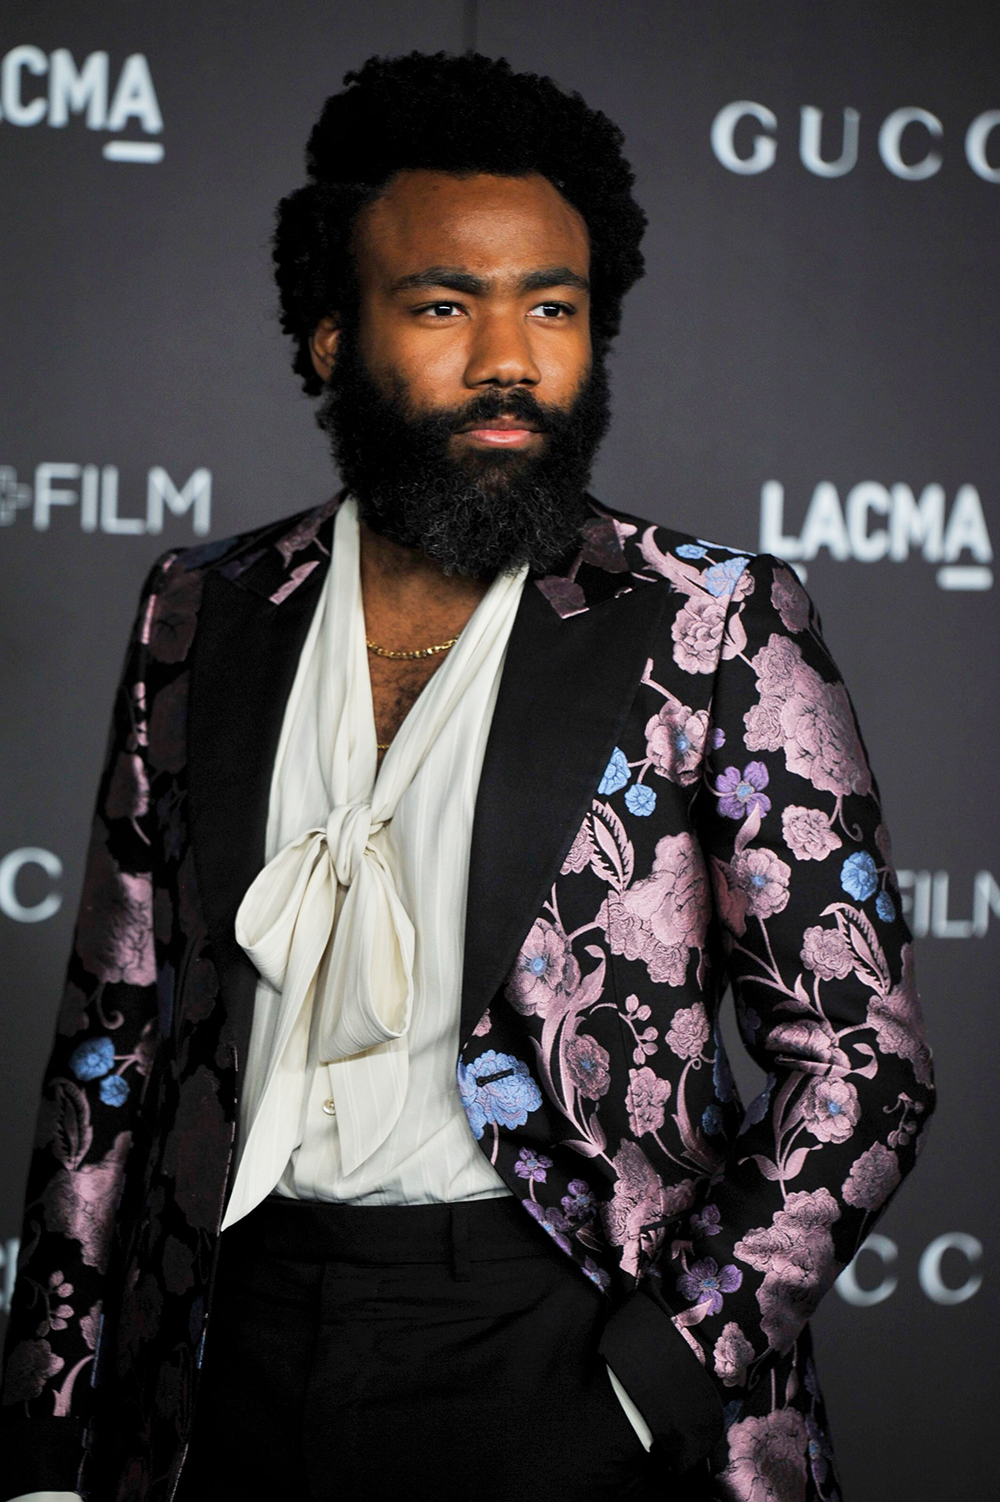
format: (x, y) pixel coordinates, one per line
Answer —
(93, 1085)
(820, 962)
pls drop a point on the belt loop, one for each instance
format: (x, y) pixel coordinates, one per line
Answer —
(461, 1263)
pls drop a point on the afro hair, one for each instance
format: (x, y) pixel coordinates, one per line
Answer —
(445, 113)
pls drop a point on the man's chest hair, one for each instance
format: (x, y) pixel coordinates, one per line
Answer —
(395, 689)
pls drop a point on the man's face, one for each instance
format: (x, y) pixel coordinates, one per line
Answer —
(464, 406)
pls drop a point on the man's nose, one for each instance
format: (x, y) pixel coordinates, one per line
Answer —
(500, 353)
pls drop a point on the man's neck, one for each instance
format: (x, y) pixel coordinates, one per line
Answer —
(409, 601)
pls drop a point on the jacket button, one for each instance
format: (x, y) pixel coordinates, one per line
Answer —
(330, 1107)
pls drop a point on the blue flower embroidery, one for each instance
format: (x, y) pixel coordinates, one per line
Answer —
(640, 800)
(722, 1074)
(93, 1058)
(885, 907)
(497, 1090)
(616, 774)
(722, 578)
(113, 1090)
(711, 1120)
(688, 550)
(858, 875)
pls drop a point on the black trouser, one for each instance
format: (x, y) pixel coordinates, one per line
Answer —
(420, 1351)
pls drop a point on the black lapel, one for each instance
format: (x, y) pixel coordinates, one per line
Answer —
(246, 652)
(564, 695)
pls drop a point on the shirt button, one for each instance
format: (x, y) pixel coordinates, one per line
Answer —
(330, 1107)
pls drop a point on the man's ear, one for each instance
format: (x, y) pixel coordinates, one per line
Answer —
(323, 345)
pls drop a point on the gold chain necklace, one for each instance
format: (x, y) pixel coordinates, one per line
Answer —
(410, 656)
(407, 657)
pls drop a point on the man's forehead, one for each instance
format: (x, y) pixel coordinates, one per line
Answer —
(501, 228)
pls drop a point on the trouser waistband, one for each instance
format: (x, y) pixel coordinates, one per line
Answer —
(384, 1235)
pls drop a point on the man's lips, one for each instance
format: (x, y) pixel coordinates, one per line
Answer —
(501, 433)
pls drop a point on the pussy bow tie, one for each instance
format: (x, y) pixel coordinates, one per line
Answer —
(364, 977)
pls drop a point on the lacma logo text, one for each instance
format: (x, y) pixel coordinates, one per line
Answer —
(94, 489)
(26, 100)
(878, 521)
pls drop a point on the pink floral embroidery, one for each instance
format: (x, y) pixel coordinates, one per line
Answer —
(303, 533)
(830, 1109)
(628, 935)
(78, 1204)
(639, 1202)
(767, 1458)
(128, 793)
(90, 1326)
(821, 739)
(825, 951)
(646, 1098)
(675, 741)
(776, 665)
(660, 917)
(587, 1066)
(688, 1032)
(796, 1255)
(673, 899)
(545, 970)
(697, 633)
(789, 1298)
(293, 581)
(872, 1178)
(732, 1355)
(897, 1023)
(755, 882)
(763, 725)
(580, 851)
(805, 1040)
(564, 595)
(790, 600)
(807, 833)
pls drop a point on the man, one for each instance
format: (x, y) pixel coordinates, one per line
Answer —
(389, 1144)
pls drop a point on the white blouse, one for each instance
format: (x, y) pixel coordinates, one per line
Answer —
(357, 921)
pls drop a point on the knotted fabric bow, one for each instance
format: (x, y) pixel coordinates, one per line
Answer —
(323, 921)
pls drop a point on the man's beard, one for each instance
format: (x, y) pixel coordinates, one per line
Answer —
(487, 512)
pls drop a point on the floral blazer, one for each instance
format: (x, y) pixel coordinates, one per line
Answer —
(675, 799)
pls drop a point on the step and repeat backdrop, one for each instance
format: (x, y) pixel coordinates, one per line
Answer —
(809, 368)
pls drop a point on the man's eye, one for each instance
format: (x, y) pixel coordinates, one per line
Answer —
(440, 309)
(553, 310)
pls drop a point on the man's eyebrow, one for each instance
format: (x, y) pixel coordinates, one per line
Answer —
(456, 280)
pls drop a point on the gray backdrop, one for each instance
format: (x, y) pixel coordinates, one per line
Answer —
(805, 369)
